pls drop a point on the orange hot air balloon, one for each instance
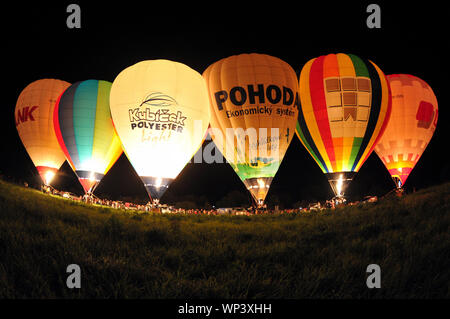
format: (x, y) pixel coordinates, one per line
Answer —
(412, 124)
(34, 123)
(253, 97)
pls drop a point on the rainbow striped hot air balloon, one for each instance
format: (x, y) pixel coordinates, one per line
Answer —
(85, 131)
(345, 106)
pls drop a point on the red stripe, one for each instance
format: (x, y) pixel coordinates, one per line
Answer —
(320, 106)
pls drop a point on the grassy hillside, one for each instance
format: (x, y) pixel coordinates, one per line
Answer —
(315, 255)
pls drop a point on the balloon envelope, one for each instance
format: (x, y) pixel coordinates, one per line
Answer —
(33, 115)
(345, 105)
(253, 97)
(160, 111)
(85, 131)
(411, 126)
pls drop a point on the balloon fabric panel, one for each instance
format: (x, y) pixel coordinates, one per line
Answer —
(65, 126)
(85, 100)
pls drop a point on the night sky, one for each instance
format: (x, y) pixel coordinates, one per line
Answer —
(36, 43)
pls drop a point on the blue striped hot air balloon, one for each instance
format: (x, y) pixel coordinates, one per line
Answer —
(85, 131)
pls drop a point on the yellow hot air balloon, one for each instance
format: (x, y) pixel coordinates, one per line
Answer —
(160, 112)
(345, 106)
(34, 123)
(411, 126)
(253, 97)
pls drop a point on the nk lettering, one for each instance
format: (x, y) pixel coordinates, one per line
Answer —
(25, 114)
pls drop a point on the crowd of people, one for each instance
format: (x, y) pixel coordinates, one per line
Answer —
(166, 209)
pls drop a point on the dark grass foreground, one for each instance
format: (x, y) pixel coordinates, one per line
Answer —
(316, 255)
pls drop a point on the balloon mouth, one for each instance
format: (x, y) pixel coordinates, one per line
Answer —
(400, 175)
(156, 186)
(339, 182)
(397, 181)
(47, 173)
(258, 188)
(89, 180)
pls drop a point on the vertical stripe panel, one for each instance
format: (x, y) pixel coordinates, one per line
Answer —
(374, 110)
(347, 69)
(65, 116)
(331, 69)
(307, 112)
(320, 108)
(360, 66)
(385, 113)
(103, 130)
(58, 130)
(85, 100)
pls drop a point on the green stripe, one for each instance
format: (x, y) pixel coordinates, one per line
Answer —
(85, 104)
(359, 65)
(355, 148)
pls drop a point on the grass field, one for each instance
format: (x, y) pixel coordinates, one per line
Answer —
(314, 255)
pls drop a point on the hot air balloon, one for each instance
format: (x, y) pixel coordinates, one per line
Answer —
(253, 97)
(410, 128)
(85, 131)
(345, 106)
(160, 111)
(33, 115)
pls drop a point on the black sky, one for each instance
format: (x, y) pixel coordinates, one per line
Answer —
(36, 43)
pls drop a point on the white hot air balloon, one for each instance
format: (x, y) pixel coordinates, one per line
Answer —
(160, 110)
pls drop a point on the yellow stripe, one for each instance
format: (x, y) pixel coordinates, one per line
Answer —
(346, 67)
(402, 164)
(348, 146)
(114, 152)
(106, 144)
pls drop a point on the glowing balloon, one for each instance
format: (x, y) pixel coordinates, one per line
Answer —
(345, 105)
(160, 111)
(253, 97)
(411, 126)
(85, 131)
(33, 115)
